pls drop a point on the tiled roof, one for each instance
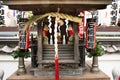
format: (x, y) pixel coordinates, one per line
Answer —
(108, 29)
(2, 29)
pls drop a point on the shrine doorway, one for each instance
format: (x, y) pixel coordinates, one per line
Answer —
(65, 31)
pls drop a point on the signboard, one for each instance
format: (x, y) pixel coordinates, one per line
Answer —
(91, 34)
(114, 13)
(1, 15)
(22, 36)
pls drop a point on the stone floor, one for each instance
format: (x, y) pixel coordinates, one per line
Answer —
(106, 63)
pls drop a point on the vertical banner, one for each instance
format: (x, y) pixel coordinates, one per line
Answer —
(27, 37)
(2, 17)
(91, 34)
(81, 25)
(22, 36)
(81, 30)
(114, 13)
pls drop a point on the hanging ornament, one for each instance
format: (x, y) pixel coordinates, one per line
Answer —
(66, 23)
(59, 34)
(64, 41)
(51, 40)
(50, 23)
(56, 50)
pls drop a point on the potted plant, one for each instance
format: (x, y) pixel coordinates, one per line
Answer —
(98, 51)
(21, 54)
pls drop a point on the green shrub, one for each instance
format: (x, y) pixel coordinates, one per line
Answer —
(98, 51)
(21, 53)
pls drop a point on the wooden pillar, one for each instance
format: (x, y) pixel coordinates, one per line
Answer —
(33, 53)
(82, 52)
(39, 44)
(76, 42)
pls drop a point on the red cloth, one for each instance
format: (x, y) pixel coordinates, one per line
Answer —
(56, 67)
(119, 78)
(27, 37)
(70, 32)
(45, 32)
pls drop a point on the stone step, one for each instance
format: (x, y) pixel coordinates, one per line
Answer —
(60, 58)
(60, 55)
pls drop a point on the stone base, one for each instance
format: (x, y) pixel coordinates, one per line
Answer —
(86, 75)
(67, 72)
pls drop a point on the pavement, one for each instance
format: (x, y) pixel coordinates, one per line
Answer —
(106, 63)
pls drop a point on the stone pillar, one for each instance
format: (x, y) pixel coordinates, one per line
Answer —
(95, 64)
(21, 66)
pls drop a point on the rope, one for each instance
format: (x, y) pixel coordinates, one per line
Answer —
(53, 14)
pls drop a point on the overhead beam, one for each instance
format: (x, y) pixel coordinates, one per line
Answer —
(66, 6)
(40, 2)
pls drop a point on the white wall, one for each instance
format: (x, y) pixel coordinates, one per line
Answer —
(104, 16)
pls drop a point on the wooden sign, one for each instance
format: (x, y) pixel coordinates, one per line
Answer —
(22, 36)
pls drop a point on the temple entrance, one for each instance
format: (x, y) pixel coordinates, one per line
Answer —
(71, 48)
